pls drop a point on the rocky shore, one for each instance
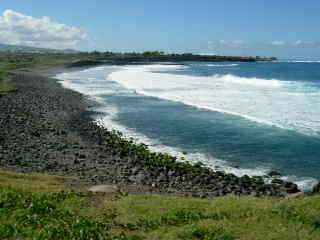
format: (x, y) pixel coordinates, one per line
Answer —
(46, 128)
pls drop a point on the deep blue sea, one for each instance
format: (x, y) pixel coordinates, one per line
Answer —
(244, 118)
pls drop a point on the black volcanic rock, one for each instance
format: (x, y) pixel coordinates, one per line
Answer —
(316, 188)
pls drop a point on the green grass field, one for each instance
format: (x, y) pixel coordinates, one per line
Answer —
(39, 206)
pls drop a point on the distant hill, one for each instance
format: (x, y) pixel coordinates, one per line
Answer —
(27, 49)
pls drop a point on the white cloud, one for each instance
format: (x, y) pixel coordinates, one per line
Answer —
(234, 45)
(226, 44)
(278, 43)
(295, 44)
(17, 28)
(231, 43)
(306, 44)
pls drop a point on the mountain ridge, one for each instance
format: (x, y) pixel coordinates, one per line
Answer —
(28, 49)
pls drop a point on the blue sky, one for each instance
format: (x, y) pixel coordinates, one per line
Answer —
(283, 28)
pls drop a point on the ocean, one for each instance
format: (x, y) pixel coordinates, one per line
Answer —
(243, 118)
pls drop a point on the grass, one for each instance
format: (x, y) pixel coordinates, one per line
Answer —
(6, 88)
(34, 182)
(13, 61)
(25, 215)
(162, 217)
(40, 206)
(5, 85)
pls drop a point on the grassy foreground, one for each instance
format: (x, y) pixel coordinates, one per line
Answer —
(41, 206)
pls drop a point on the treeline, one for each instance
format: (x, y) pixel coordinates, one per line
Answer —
(21, 59)
(96, 58)
(162, 56)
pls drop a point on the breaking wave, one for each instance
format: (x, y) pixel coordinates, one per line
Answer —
(285, 104)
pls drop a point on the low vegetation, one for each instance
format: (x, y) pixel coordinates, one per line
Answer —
(39, 206)
(34, 182)
(5, 85)
(10, 61)
(128, 147)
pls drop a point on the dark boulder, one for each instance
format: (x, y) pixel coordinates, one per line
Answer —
(274, 174)
(291, 187)
(316, 188)
(277, 181)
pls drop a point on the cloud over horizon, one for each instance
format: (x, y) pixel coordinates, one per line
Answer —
(296, 44)
(226, 44)
(20, 29)
(240, 44)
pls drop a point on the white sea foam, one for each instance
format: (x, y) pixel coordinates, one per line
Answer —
(274, 102)
(222, 65)
(301, 61)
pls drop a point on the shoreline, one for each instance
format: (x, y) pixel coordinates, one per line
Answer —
(61, 130)
(106, 115)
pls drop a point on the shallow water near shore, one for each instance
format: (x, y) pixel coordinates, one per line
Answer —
(245, 118)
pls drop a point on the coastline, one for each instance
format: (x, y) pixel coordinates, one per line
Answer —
(59, 128)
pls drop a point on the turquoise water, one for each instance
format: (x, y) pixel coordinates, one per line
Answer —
(248, 118)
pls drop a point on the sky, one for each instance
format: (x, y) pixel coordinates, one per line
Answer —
(281, 28)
